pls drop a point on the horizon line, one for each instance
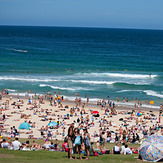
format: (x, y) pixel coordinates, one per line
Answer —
(83, 27)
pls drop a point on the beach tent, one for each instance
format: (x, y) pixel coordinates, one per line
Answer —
(24, 125)
(52, 124)
(151, 148)
(95, 112)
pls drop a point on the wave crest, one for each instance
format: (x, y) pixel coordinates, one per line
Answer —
(63, 88)
(121, 75)
(153, 93)
(93, 82)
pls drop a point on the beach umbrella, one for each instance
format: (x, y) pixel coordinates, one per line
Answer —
(51, 124)
(151, 148)
(139, 114)
(95, 112)
(24, 125)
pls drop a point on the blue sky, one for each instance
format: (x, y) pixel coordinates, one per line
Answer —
(146, 14)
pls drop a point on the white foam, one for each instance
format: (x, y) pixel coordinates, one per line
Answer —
(133, 105)
(92, 82)
(128, 91)
(153, 93)
(151, 106)
(58, 79)
(17, 50)
(28, 79)
(62, 88)
(121, 75)
(25, 94)
(72, 98)
(11, 90)
(54, 87)
(20, 94)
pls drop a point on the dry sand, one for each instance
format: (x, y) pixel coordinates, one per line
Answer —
(14, 119)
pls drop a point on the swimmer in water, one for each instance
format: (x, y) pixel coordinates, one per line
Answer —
(150, 76)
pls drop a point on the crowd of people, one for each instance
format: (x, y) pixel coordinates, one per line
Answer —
(78, 141)
(74, 143)
(82, 130)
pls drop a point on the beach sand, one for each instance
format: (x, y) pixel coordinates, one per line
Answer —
(13, 117)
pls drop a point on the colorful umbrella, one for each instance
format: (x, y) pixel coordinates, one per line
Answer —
(151, 148)
(24, 125)
(52, 124)
(139, 114)
(95, 112)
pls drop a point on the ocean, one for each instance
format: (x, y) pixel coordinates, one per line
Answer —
(97, 62)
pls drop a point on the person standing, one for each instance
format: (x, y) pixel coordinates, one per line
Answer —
(102, 139)
(77, 142)
(87, 101)
(86, 142)
(70, 140)
(14, 131)
(58, 123)
(4, 117)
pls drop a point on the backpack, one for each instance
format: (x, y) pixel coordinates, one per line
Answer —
(77, 140)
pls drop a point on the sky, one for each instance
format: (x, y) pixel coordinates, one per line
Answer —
(141, 14)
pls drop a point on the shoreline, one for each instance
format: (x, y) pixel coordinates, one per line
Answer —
(71, 100)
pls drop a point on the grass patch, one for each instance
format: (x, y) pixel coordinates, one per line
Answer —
(8, 156)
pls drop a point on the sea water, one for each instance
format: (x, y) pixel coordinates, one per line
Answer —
(96, 62)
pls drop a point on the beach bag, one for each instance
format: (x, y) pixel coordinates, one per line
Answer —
(95, 154)
(77, 140)
(87, 142)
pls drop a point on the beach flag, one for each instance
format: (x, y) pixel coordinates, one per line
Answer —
(151, 102)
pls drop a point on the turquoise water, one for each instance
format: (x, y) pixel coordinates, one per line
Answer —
(93, 61)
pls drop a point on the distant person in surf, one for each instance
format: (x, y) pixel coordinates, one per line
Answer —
(150, 76)
(87, 100)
